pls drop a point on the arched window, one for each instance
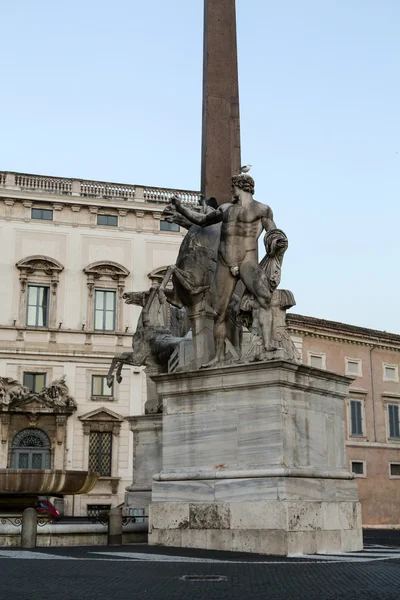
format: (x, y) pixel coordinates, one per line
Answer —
(39, 278)
(31, 450)
(106, 284)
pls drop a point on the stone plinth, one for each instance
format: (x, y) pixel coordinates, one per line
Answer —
(254, 460)
(147, 451)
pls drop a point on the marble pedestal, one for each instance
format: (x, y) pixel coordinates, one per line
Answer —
(147, 451)
(254, 461)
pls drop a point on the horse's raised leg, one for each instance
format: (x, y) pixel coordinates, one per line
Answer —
(126, 358)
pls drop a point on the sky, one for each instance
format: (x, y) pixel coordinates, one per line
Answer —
(113, 90)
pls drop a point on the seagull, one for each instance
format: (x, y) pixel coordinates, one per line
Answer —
(245, 168)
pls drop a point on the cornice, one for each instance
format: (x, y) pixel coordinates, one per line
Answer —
(342, 337)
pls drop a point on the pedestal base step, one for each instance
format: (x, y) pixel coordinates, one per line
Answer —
(281, 528)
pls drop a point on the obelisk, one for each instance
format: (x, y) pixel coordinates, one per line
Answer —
(221, 125)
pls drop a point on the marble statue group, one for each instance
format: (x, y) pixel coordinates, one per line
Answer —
(218, 273)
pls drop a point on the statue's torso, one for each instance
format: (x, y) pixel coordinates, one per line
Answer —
(241, 228)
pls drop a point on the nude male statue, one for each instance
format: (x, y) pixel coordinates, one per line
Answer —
(242, 223)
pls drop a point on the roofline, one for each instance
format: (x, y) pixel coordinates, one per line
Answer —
(294, 320)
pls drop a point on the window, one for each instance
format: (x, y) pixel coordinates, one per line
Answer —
(31, 450)
(106, 284)
(317, 360)
(354, 367)
(100, 446)
(394, 421)
(110, 220)
(100, 387)
(390, 372)
(356, 426)
(167, 226)
(394, 469)
(42, 213)
(357, 467)
(104, 310)
(35, 381)
(37, 310)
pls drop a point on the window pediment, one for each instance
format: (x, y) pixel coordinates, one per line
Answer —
(39, 263)
(157, 275)
(108, 269)
(102, 414)
(103, 420)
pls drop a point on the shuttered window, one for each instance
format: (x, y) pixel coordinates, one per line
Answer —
(356, 417)
(394, 422)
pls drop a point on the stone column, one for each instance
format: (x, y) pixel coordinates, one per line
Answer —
(29, 528)
(221, 126)
(114, 537)
(5, 426)
(59, 450)
(147, 458)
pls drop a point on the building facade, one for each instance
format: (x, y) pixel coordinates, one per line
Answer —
(372, 358)
(69, 250)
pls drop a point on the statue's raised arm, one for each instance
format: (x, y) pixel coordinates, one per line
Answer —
(202, 219)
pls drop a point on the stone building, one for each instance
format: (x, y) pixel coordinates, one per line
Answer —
(372, 358)
(69, 249)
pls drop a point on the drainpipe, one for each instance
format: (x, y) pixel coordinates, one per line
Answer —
(372, 388)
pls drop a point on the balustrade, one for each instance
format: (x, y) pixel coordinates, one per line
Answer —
(95, 189)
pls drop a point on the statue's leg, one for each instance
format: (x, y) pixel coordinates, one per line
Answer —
(114, 363)
(256, 281)
(224, 287)
(164, 283)
(126, 358)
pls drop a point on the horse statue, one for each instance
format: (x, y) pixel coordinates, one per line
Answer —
(152, 343)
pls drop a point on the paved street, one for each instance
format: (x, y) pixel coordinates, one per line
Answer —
(139, 571)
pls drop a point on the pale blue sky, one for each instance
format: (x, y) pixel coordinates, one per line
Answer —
(112, 91)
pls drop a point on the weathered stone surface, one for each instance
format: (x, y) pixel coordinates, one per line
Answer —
(304, 516)
(219, 539)
(258, 515)
(209, 516)
(169, 516)
(301, 542)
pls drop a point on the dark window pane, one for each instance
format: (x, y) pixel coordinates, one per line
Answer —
(38, 306)
(395, 470)
(167, 226)
(29, 381)
(35, 381)
(110, 220)
(23, 461)
(356, 417)
(104, 310)
(357, 467)
(42, 213)
(100, 387)
(394, 424)
(37, 461)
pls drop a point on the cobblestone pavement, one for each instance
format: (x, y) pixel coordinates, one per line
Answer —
(154, 573)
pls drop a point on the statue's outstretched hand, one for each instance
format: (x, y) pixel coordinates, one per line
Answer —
(176, 201)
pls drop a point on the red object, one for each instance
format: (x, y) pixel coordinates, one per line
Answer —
(47, 508)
